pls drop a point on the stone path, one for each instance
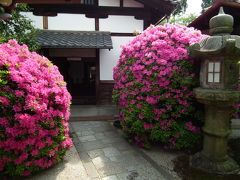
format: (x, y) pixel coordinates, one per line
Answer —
(71, 168)
(106, 155)
(100, 152)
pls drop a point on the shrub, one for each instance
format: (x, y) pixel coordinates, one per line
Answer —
(154, 79)
(34, 111)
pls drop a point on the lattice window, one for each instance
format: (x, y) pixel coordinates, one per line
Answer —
(214, 70)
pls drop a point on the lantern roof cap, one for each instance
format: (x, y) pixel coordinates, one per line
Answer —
(221, 23)
(221, 43)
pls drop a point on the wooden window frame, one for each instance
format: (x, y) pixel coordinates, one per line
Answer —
(214, 72)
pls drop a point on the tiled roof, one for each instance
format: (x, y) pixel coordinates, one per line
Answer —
(74, 39)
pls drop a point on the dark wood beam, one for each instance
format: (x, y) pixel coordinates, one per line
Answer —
(85, 2)
(91, 10)
(122, 34)
(49, 1)
(101, 16)
(141, 17)
(51, 14)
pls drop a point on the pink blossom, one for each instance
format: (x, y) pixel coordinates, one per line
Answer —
(191, 127)
(151, 100)
(4, 101)
(176, 135)
(147, 126)
(35, 105)
(25, 173)
(19, 93)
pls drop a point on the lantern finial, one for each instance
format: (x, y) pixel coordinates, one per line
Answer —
(221, 11)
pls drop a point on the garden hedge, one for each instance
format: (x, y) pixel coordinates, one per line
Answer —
(154, 79)
(34, 111)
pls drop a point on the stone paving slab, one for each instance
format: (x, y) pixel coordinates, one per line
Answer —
(106, 155)
(71, 168)
(93, 110)
(163, 159)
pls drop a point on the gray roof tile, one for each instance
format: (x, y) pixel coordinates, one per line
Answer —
(74, 39)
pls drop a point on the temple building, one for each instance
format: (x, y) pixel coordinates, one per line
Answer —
(83, 38)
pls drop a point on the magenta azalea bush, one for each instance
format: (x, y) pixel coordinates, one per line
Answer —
(154, 79)
(34, 111)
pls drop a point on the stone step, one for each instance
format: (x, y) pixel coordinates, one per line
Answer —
(78, 111)
(92, 118)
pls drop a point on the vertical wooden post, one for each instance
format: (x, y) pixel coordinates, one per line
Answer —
(96, 19)
(121, 3)
(97, 76)
(96, 24)
(45, 22)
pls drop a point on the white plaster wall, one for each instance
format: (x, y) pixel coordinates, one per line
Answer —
(109, 3)
(120, 24)
(132, 3)
(37, 21)
(109, 59)
(71, 22)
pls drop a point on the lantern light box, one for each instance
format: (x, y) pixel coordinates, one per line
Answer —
(214, 72)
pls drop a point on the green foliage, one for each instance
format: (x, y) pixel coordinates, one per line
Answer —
(206, 3)
(20, 28)
(181, 7)
(181, 19)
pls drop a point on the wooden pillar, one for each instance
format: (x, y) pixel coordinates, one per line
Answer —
(121, 3)
(45, 22)
(96, 24)
(97, 75)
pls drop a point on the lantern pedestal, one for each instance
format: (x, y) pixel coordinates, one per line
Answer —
(213, 158)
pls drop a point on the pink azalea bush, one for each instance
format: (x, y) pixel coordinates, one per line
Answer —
(34, 111)
(154, 79)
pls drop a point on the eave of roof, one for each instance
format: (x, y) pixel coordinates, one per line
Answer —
(168, 5)
(164, 5)
(75, 39)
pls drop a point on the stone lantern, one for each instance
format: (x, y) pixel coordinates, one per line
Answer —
(219, 75)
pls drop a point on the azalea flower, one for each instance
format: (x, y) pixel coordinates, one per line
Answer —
(34, 106)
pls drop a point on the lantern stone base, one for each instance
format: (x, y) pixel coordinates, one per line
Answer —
(225, 166)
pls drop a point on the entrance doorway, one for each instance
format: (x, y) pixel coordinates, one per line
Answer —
(80, 75)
